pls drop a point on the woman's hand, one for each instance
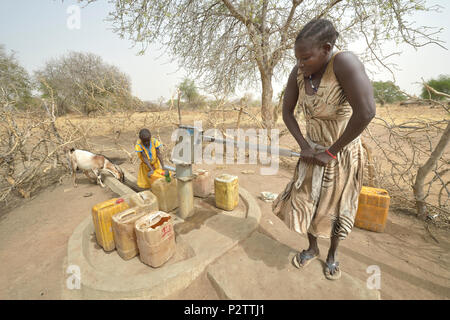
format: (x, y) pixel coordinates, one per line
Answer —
(149, 174)
(322, 158)
(307, 155)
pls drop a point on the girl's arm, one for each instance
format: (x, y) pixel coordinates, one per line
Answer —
(158, 154)
(150, 167)
(353, 79)
(289, 103)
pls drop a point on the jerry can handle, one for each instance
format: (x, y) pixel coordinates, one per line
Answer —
(142, 196)
(131, 212)
(154, 216)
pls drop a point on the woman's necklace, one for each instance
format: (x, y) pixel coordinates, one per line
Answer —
(312, 85)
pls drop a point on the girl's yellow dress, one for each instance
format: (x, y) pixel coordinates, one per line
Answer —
(143, 180)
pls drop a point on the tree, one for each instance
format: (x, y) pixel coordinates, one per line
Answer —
(83, 82)
(15, 84)
(188, 90)
(227, 43)
(441, 84)
(387, 92)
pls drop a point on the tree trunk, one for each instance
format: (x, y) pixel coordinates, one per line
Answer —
(277, 110)
(425, 169)
(266, 101)
(370, 166)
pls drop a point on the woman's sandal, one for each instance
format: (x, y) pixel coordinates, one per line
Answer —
(336, 271)
(304, 256)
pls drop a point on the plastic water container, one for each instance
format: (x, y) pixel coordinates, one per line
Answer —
(158, 174)
(144, 201)
(102, 217)
(155, 238)
(202, 184)
(167, 194)
(226, 188)
(373, 208)
(124, 234)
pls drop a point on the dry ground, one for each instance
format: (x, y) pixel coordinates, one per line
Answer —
(414, 260)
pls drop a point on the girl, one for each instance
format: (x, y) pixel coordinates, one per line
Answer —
(336, 97)
(151, 167)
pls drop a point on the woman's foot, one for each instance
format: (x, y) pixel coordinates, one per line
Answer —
(302, 259)
(332, 271)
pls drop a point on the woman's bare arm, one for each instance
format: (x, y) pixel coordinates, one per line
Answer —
(289, 103)
(353, 79)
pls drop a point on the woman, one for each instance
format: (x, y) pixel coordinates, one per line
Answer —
(151, 167)
(337, 101)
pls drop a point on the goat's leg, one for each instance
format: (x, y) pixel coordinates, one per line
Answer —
(90, 178)
(99, 177)
(74, 174)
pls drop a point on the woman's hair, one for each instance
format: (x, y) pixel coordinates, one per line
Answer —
(144, 134)
(320, 31)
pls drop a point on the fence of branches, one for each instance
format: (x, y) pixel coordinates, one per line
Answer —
(408, 159)
(34, 144)
(411, 160)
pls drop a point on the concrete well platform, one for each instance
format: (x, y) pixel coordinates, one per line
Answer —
(239, 262)
(200, 239)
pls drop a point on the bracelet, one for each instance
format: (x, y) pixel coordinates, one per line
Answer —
(330, 154)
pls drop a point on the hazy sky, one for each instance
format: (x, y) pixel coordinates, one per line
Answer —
(38, 30)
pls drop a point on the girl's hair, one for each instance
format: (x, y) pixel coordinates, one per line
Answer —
(144, 134)
(320, 31)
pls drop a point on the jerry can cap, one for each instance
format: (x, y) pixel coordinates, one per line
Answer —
(120, 200)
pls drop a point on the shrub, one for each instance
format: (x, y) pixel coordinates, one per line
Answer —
(441, 84)
(387, 92)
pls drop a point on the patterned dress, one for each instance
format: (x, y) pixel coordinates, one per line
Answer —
(320, 200)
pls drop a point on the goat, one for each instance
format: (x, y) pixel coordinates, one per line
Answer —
(86, 161)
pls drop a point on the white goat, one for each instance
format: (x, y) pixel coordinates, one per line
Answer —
(86, 161)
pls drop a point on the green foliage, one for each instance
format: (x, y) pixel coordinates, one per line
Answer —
(188, 90)
(441, 84)
(83, 82)
(387, 92)
(15, 83)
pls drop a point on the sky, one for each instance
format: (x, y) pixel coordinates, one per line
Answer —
(38, 30)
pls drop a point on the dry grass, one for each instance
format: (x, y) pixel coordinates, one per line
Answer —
(106, 133)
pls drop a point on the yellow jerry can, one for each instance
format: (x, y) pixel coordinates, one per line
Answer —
(102, 217)
(226, 188)
(373, 208)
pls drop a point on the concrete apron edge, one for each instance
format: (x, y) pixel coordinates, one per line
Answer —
(160, 283)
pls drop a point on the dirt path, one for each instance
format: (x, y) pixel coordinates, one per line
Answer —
(412, 264)
(34, 236)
